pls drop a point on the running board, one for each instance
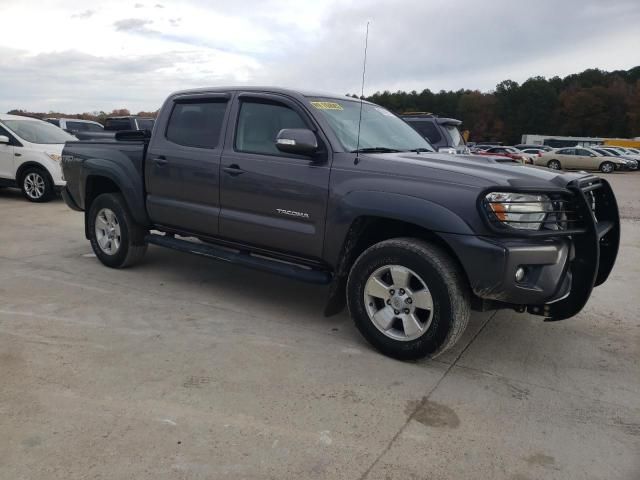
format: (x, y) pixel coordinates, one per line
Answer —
(242, 258)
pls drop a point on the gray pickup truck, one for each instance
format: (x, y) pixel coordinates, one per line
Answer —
(333, 191)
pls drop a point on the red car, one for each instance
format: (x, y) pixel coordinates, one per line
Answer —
(510, 152)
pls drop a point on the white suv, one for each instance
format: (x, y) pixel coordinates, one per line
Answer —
(30, 154)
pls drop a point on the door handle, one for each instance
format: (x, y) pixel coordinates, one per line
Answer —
(233, 170)
(161, 161)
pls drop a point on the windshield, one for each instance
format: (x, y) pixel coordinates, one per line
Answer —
(379, 129)
(454, 133)
(38, 132)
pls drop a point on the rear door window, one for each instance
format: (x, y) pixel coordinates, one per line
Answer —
(196, 124)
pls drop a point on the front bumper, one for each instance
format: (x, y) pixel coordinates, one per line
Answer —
(560, 270)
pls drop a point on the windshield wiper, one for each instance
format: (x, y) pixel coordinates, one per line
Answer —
(376, 150)
(420, 150)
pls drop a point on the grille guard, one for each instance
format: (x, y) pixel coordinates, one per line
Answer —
(595, 248)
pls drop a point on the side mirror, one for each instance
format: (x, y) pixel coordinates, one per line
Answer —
(4, 139)
(299, 141)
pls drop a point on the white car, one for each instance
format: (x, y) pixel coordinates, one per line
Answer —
(30, 155)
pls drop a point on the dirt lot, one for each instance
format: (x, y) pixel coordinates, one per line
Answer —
(184, 368)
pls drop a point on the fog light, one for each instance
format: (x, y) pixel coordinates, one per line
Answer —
(520, 272)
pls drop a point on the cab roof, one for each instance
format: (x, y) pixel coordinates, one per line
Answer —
(300, 94)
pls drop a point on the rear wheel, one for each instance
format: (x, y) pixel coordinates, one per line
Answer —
(408, 298)
(36, 185)
(116, 239)
(554, 165)
(607, 167)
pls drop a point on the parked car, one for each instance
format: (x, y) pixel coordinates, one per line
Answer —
(442, 133)
(578, 158)
(82, 129)
(533, 152)
(622, 152)
(129, 122)
(336, 191)
(30, 154)
(522, 146)
(510, 152)
(631, 163)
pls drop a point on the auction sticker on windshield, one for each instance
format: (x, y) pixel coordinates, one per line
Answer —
(327, 105)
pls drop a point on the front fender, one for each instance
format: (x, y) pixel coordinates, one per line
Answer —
(393, 206)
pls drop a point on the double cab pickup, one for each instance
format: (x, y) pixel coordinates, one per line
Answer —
(338, 191)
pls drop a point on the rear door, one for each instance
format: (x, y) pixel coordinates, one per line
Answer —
(566, 156)
(182, 164)
(271, 199)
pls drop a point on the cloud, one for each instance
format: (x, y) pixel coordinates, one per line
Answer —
(89, 82)
(85, 14)
(134, 25)
(413, 44)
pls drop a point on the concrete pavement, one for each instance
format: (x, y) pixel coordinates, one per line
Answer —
(184, 368)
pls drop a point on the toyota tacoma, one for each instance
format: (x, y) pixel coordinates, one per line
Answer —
(338, 191)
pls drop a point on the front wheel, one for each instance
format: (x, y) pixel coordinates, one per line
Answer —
(607, 167)
(116, 239)
(36, 185)
(408, 298)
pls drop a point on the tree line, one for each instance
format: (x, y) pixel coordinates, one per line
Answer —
(99, 117)
(594, 103)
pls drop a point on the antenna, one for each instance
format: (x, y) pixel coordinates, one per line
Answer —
(364, 71)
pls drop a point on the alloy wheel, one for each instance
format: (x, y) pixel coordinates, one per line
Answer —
(34, 185)
(398, 302)
(108, 232)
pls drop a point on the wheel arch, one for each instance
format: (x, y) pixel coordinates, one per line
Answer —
(31, 164)
(366, 231)
(107, 176)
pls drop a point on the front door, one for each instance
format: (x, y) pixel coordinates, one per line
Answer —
(182, 166)
(268, 198)
(7, 159)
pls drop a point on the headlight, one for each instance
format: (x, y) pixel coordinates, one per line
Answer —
(55, 157)
(519, 210)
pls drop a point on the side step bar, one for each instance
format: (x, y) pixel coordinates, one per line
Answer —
(242, 258)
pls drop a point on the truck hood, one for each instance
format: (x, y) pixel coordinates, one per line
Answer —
(471, 170)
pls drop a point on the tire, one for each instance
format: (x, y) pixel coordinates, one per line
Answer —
(607, 167)
(554, 165)
(429, 266)
(116, 239)
(36, 185)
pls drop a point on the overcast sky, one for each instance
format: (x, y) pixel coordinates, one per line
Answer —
(77, 56)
